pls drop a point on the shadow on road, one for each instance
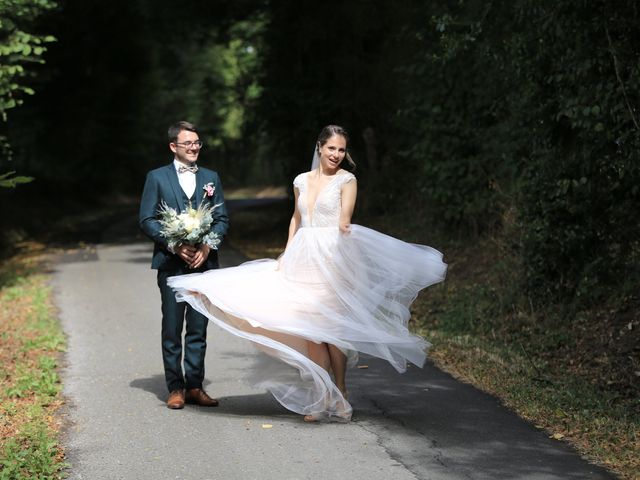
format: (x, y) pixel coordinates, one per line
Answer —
(251, 405)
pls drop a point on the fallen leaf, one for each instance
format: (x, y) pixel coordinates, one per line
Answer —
(557, 436)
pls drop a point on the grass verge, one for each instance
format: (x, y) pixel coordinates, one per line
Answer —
(31, 340)
(596, 423)
(558, 369)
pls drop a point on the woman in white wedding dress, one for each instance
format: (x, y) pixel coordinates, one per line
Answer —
(338, 289)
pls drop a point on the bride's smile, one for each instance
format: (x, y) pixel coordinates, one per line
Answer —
(332, 153)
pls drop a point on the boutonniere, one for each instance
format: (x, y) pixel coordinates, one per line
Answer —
(209, 189)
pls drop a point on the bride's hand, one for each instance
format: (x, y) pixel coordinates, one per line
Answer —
(345, 227)
(279, 260)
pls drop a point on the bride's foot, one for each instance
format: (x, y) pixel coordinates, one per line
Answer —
(343, 391)
(309, 419)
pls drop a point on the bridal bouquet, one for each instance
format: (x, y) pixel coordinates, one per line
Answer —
(191, 226)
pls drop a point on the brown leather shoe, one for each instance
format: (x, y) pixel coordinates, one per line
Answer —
(176, 400)
(197, 396)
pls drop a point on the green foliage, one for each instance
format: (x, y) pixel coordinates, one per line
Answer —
(585, 167)
(460, 143)
(19, 48)
(31, 454)
(115, 96)
(514, 118)
(318, 71)
(7, 181)
(31, 384)
(44, 380)
(530, 107)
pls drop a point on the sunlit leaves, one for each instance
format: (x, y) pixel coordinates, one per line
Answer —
(7, 180)
(19, 48)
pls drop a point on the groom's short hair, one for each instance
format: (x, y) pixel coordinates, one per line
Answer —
(176, 128)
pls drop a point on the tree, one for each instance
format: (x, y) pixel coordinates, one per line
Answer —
(19, 50)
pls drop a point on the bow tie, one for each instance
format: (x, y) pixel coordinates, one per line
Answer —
(185, 168)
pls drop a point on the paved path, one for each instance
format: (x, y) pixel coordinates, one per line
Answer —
(419, 425)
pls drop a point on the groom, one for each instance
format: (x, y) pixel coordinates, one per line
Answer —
(180, 184)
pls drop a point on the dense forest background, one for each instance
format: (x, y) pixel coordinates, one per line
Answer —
(513, 120)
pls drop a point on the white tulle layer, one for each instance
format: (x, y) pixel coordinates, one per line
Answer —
(352, 291)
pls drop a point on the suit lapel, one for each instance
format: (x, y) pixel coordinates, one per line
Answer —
(172, 177)
(198, 192)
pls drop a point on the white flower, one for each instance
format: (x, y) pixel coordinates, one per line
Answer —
(190, 222)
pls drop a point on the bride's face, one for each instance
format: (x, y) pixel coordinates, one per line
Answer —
(332, 152)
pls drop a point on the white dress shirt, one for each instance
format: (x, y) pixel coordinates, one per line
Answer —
(187, 180)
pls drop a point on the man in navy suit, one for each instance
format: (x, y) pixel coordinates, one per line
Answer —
(180, 184)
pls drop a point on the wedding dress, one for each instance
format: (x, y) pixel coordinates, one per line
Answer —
(351, 290)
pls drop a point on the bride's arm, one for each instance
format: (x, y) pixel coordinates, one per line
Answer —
(348, 193)
(295, 218)
(293, 225)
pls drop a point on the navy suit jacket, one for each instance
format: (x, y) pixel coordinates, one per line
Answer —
(162, 185)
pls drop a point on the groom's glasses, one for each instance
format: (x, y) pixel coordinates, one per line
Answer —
(196, 144)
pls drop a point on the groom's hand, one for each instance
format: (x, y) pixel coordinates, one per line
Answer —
(201, 254)
(186, 253)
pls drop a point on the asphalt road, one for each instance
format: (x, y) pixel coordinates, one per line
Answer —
(419, 425)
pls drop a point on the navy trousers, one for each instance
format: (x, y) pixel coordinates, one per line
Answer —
(175, 317)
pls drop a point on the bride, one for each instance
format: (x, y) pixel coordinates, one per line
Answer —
(338, 289)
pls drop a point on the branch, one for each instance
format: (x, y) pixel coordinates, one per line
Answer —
(617, 70)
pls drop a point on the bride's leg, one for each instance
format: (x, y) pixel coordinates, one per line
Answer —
(339, 367)
(319, 354)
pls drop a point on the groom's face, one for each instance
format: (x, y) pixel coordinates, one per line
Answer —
(185, 148)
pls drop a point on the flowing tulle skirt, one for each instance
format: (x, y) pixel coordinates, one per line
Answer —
(349, 290)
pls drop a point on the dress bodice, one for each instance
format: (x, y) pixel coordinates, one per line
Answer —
(326, 211)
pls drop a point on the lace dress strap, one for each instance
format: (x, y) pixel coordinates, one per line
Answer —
(345, 178)
(298, 182)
